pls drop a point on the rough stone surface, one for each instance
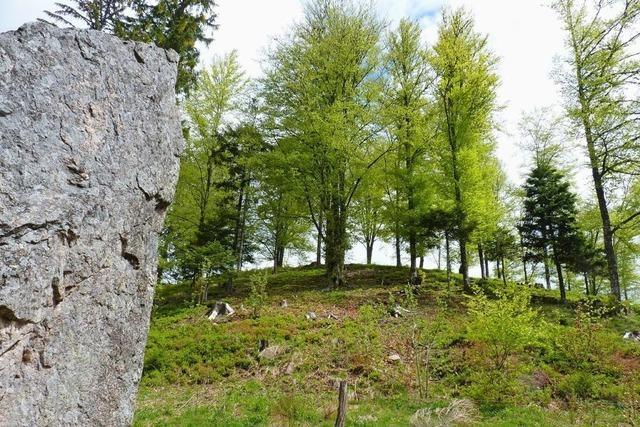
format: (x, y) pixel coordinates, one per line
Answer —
(89, 145)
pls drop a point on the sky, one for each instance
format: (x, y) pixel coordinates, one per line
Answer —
(525, 34)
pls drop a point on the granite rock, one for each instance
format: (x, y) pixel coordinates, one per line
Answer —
(90, 140)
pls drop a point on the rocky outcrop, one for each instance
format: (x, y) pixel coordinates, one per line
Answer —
(89, 145)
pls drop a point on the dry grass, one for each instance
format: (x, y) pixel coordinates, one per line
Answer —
(459, 412)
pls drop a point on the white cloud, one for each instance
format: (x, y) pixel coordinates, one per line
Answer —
(248, 26)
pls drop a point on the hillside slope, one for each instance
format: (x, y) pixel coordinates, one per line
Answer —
(565, 370)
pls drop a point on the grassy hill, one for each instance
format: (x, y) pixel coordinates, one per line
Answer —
(553, 366)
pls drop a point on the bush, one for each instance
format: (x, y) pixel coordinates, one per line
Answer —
(585, 346)
(257, 294)
(505, 325)
(578, 385)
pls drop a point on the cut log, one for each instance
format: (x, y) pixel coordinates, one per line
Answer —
(221, 309)
(398, 311)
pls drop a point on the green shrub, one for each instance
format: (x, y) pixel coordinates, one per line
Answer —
(578, 385)
(505, 325)
(258, 293)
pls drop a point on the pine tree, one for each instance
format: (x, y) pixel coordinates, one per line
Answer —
(101, 15)
(549, 220)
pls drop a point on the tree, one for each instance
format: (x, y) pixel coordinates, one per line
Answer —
(549, 220)
(101, 15)
(502, 245)
(406, 104)
(442, 222)
(173, 24)
(589, 260)
(281, 212)
(201, 222)
(367, 218)
(602, 71)
(321, 91)
(465, 98)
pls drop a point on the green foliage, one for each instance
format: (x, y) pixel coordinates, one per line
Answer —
(465, 96)
(600, 71)
(101, 15)
(321, 93)
(549, 222)
(173, 24)
(258, 293)
(208, 228)
(506, 325)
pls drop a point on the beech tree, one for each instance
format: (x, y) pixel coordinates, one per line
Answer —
(599, 86)
(322, 89)
(465, 98)
(367, 218)
(406, 105)
(282, 221)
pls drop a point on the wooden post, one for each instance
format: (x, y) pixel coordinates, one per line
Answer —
(342, 404)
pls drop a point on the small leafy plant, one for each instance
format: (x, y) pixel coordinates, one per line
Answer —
(257, 294)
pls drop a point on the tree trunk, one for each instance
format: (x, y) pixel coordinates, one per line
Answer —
(464, 265)
(369, 252)
(504, 274)
(413, 270)
(421, 261)
(319, 245)
(205, 292)
(498, 269)
(524, 261)
(319, 229)
(547, 273)
(586, 283)
(447, 247)
(238, 228)
(398, 252)
(319, 251)
(280, 256)
(481, 257)
(563, 292)
(486, 267)
(336, 243)
(607, 233)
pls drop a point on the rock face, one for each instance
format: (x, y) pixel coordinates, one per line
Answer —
(90, 141)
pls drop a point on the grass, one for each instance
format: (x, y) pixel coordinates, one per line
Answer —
(202, 373)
